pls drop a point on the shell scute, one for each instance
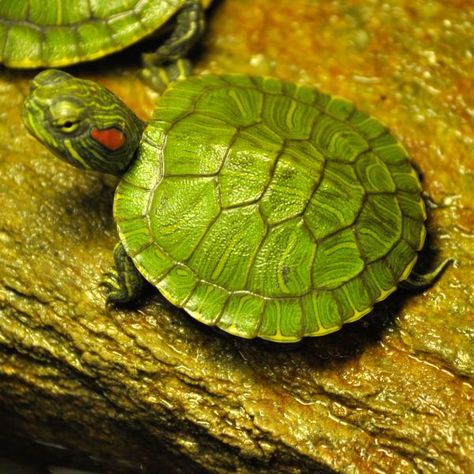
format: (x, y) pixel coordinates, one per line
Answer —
(245, 173)
(328, 208)
(400, 257)
(378, 226)
(196, 146)
(229, 244)
(186, 206)
(240, 106)
(338, 259)
(327, 311)
(282, 265)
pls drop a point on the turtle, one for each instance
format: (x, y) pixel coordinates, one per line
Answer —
(261, 207)
(53, 33)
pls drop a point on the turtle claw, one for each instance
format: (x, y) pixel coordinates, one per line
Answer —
(110, 280)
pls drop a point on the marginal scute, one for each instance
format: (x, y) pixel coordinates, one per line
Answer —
(390, 153)
(374, 174)
(407, 182)
(378, 279)
(131, 200)
(354, 298)
(371, 129)
(305, 94)
(93, 36)
(309, 307)
(137, 234)
(270, 85)
(123, 26)
(327, 311)
(147, 171)
(288, 117)
(268, 209)
(243, 315)
(399, 258)
(269, 326)
(412, 207)
(178, 284)
(206, 302)
(340, 108)
(171, 108)
(290, 317)
(155, 261)
(16, 37)
(58, 44)
(413, 232)
(338, 140)
(286, 317)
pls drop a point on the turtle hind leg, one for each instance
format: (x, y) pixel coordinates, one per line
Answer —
(124, 283)
(162, 66)
(420, 281)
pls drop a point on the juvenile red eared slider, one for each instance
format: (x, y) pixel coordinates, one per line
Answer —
(46, 33)
(265, 208)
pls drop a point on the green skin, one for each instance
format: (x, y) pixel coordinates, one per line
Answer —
(65, 113)
(66, 35)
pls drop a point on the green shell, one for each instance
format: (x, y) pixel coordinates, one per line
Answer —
(40, 33)
(269, 209)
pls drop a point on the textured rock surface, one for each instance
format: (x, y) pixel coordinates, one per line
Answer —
(147, 388)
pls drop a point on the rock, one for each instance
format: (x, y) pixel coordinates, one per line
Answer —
(147, 388)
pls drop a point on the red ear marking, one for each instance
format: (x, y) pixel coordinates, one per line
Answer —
(111, 138)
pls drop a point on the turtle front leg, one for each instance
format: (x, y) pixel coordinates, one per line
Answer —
(124, 283)
(166, 64)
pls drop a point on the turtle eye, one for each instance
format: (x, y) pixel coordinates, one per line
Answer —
(67, 125)
(66, 115)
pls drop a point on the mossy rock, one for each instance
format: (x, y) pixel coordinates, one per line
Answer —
(147, 385)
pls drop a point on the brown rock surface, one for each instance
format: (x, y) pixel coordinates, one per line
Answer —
(150, 389)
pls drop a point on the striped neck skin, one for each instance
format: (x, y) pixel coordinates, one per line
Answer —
(81, 122)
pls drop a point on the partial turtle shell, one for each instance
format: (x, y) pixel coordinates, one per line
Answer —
(52, 33)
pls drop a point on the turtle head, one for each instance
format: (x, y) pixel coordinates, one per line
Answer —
(81, 122)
